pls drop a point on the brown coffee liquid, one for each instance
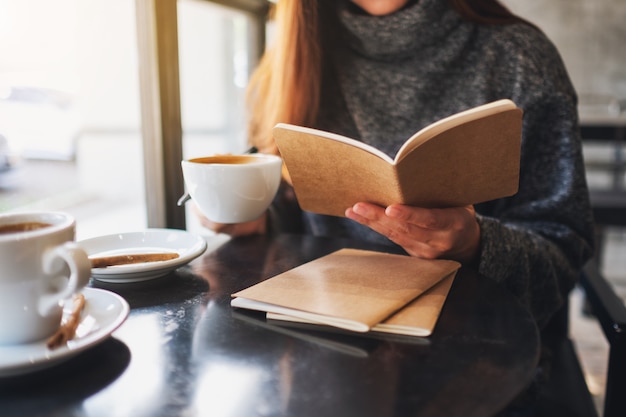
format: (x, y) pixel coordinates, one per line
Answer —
(225, 159)
(22, 227)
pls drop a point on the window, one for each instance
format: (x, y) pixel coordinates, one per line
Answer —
(73, 105)
(69, 111)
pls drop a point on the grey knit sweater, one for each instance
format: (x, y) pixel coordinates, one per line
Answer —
(398, 73)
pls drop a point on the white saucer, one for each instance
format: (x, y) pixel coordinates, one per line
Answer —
(187, 245)
(104, 312)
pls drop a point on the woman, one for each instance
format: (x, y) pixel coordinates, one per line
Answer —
(379, 70)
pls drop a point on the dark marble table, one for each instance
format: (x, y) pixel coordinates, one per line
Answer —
(185, 352)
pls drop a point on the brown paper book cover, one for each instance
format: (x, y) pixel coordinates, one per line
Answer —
(418, 318)
(467, 158)
(350, 289)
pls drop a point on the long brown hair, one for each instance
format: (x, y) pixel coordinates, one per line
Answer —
(286, 85)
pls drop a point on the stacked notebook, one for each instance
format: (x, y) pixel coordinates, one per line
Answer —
(357, 290)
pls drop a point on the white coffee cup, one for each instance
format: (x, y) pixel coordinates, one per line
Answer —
(40, 267)
(232, 188)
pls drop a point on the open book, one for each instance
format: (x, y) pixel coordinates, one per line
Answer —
(467, 158)
(355, 290)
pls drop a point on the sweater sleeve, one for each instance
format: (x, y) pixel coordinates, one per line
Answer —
(537, 241)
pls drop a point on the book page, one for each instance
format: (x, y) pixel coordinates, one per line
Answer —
(330, 175)
(449, 122)
(467, 164)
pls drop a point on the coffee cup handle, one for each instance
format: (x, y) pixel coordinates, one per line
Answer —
(80, 272)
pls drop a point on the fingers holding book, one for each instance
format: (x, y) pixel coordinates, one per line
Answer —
(448, 233)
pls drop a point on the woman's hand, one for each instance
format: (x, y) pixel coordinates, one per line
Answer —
(451, 233)
(258, 226)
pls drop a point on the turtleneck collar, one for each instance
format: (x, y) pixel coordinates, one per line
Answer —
(420, 24)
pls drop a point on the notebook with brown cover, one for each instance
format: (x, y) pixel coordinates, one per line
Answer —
(467, 158)
(350, 289)
(418, 318)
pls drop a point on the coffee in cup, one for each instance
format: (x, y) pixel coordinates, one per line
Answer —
(232, 188)
(41, 267)
(22, 227)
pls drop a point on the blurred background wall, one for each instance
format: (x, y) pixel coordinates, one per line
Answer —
(591, 36)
